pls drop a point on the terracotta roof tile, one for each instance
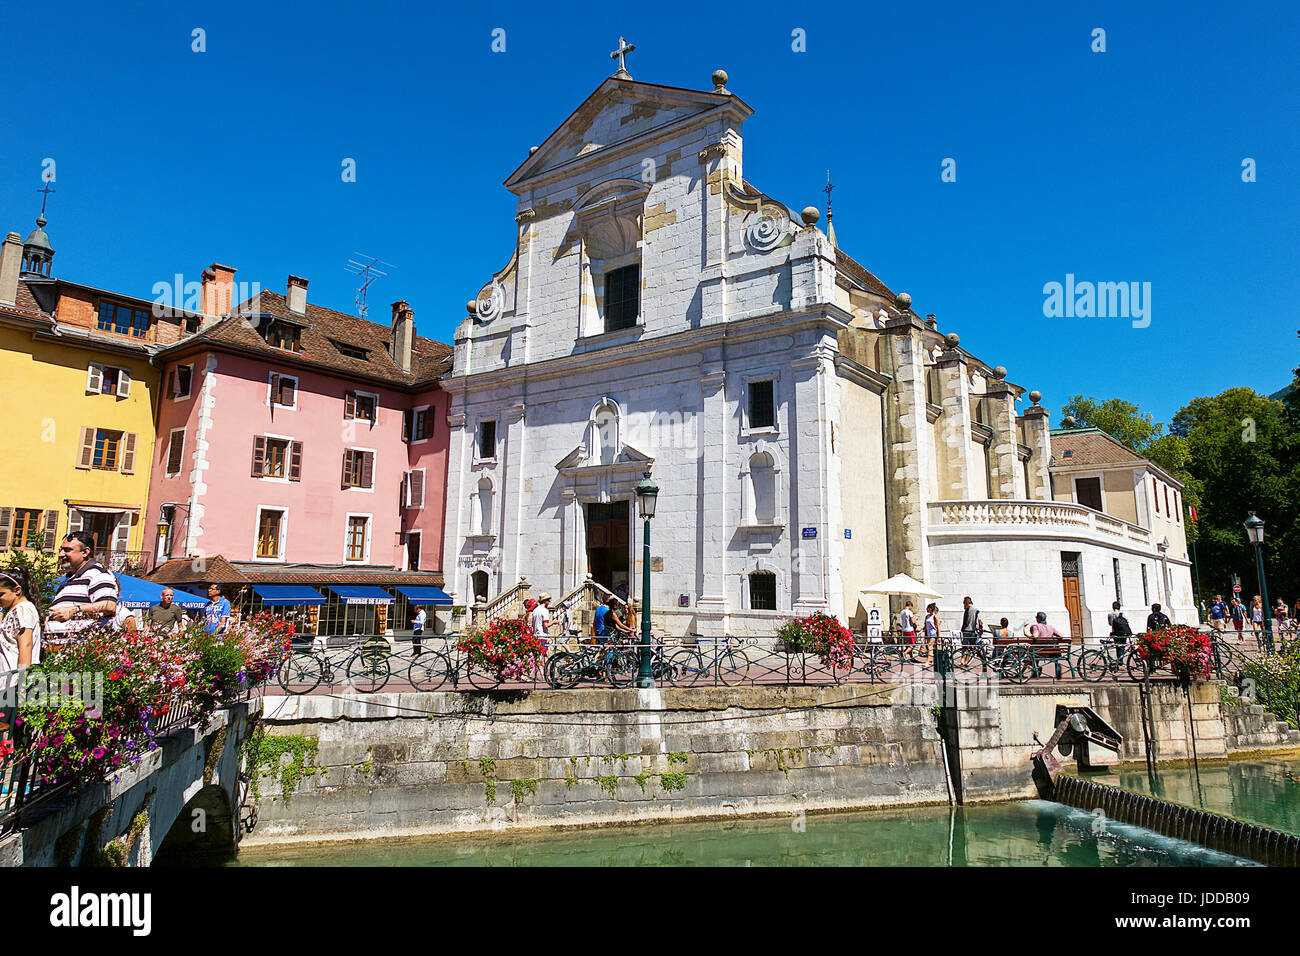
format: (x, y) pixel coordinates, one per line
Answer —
(190, 570)
(1090, 446)
(848, 265)
(319, 327)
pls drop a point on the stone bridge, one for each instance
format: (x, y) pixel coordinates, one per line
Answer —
(180, 801)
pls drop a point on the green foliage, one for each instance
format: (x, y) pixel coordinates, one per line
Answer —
(520, 787)
(264, 755)
(487, 766)
(641, 779)
(608, 784)
(1276, 680)
(42, 568)
(1121, 420)
(673, 781)
(490, 791)
(676, 756)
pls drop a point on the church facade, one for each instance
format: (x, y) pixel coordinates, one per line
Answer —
(809, 433)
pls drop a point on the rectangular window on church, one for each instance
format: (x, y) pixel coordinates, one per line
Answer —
(622, 297)
(762, 591)
(762, 407)
(487, 439)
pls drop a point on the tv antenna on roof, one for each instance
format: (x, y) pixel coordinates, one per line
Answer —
(368, 268)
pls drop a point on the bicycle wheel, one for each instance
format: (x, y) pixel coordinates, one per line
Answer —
(687, 665)
(368, 670)
(1016, 665)
(428, 671)
(565, 670)
(480, 677)
(622, 667)
(1094, 665)
(733, 667)
(300, 673)
(1137, 667)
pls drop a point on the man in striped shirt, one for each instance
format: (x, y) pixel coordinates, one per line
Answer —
(89, 591)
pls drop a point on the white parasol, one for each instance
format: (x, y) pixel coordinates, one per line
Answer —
(902, 584)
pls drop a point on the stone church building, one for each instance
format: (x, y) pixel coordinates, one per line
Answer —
(809, 433)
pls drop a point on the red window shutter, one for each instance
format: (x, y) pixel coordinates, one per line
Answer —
(295, 461)
(6, 523)
(403, 491)
(259, 455)
(350, 405)
(367, 469)
(347, 467)
(87, 455)
(287, 387)
(407, 418)
(417, 489)
(171, 383)
(51, 529)
(175, 453)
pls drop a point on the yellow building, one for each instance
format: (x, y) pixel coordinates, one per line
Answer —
(78, 407)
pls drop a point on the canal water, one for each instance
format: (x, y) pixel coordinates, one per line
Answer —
(1022, 833)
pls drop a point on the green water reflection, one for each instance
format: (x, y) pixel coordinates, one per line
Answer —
(1031, 833)
(1266, 792)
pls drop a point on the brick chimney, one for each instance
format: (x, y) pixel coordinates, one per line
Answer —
(11, 260)
(297, 296)
(218, 288)
(403, 334)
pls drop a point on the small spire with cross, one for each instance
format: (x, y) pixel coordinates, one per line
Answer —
(830, 224)
(46, 191)
(624, 48)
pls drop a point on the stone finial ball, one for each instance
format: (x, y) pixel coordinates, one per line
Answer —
(471, 307)
(1035, 396)
(719, 77)
(952, 340)
(903, 300)
(1069, 421)
(810, 215)
(1000, 372)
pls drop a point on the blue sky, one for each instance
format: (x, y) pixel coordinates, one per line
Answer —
(1115, 166)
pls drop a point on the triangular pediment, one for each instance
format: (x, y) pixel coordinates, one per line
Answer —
(628, 457)
(619, 112)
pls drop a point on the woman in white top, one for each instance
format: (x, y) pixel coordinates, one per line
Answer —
(20, 631)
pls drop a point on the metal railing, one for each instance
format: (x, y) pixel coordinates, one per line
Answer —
(371, 664)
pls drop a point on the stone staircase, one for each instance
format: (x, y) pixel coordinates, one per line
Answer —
(585, 598)
(1252, 727)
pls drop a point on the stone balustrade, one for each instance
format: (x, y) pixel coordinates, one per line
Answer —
(1045, 515)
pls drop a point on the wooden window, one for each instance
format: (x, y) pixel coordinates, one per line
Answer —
(122, 319)
(1088, 492)
(268, 533)
(281, 335)
(51, 529)
(351, 351)
(413, 496)
(358, 468)
(181, 380)
(276, 458)
(420, 424)
(487, 439)
(762, 407)
(107, 444)
(356, 549)
(104, 321)
(622, 297)
(276, 461)
(140, 323)
(762, 591)
(359, 406)
(27, 528)
(284, 389)
(176, 451)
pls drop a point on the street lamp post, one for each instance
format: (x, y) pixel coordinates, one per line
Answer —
(1255, 532)
(647, 494)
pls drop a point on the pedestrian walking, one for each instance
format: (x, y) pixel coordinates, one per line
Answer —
(166, 615)
(971, 625)
(216, 613)
(1238, 611)
(1218, 613)
(1120, 630)
(931, 622)
(1157, 620)
(20, 630)
(907, 623)
(540, 617)
(1257, 614)
(417, 629)
(89, 590)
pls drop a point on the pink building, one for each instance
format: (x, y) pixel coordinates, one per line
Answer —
(305, 449)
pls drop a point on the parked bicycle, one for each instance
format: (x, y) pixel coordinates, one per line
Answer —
(365, 665)
(727, 663)
(616, 663)
(1109, 659)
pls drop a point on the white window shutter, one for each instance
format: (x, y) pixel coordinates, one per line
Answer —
(122, 533)
(94, 377)
(123, 383)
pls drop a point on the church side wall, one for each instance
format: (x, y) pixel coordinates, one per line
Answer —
(862, 494)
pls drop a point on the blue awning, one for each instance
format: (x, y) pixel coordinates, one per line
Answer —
(136, 592)
(361, 594)
(283, 595)
(423, 595)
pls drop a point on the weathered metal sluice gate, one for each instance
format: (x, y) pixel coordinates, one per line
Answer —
(1078, 729)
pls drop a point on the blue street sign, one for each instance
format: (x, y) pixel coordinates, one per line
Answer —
(810, 532)
(848, 532)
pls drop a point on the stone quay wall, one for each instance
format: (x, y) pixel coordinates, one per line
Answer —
(409, 764)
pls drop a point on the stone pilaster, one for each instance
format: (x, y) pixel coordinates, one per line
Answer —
(1000, 406)
(511, 536)
(713, 531)
(815, 563)
(1038, 438)
(954, 427)
(456, 527)
(909, 450)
